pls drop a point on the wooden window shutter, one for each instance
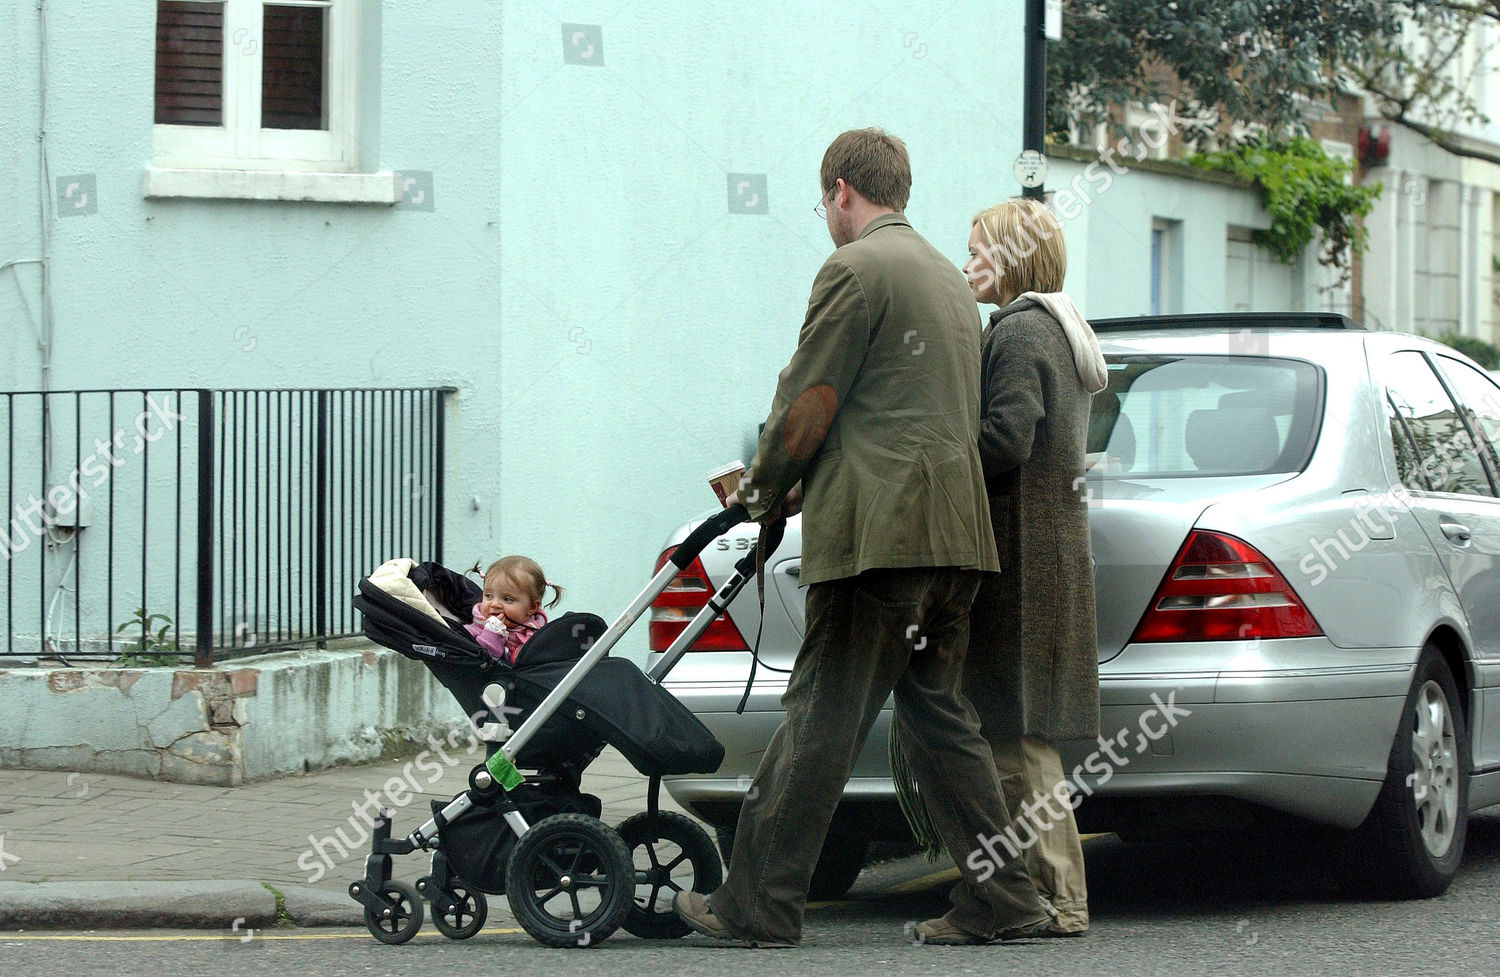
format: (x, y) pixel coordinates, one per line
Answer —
(189, 63)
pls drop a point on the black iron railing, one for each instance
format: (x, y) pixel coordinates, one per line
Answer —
(148, 524)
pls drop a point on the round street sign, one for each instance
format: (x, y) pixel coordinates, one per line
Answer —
(1031, 169)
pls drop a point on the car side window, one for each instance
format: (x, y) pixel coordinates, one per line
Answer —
(1440, 456)
(1479, 397)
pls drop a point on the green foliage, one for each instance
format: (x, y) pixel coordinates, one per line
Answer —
(148, 648)
(1475, 349)
(1303, 188)
(1256, 62)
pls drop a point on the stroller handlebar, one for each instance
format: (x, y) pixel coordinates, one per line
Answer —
(710, 530)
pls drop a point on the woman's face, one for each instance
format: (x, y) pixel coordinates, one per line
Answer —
(980, 270)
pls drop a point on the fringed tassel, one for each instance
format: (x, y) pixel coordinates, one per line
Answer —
(912, 804)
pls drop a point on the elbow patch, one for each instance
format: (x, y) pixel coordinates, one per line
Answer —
(808, 420)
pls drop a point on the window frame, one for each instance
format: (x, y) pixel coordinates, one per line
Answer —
(1435, 371)
(240, 143)
(1482, 442)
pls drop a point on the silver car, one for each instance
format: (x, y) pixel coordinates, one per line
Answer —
(1296, 538)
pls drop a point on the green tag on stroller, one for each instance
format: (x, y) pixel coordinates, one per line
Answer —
(504, 771)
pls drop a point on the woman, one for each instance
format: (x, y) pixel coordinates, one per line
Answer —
(1031, 670)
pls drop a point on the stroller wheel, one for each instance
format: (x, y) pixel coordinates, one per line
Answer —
(405, 914)
(671, 854)
(463, 915)
(570, 881)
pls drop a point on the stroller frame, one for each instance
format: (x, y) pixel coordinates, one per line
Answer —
(393, 910)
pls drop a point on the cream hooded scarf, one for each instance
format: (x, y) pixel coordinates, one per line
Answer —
(1086, 355)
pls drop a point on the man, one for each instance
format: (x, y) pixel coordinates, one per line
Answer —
(877, 415)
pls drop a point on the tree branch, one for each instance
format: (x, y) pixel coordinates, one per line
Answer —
(1442, 140)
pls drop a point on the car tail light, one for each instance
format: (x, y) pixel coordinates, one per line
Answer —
(685, 596)
(1220, 588)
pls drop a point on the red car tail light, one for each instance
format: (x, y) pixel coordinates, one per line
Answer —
(675, 607)
(1220, 588)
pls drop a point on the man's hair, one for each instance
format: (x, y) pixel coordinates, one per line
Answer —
(1025, 242)
(874, 164)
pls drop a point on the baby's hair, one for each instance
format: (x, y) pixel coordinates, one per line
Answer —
(525, 571)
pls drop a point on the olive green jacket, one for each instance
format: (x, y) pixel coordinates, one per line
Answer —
(877, 414)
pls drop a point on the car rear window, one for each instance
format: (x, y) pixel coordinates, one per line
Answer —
(1179, 416)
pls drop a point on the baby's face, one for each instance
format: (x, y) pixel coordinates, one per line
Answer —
(502, 598)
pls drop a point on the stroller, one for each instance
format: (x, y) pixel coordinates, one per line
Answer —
(570, 879)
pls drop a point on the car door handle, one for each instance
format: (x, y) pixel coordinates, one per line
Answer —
(794, 570)
(1454, 530)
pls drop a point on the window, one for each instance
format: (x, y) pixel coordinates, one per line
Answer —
(1166, 264)
(1176, 416)
(1481, 404)
(1438, 454)
(243, 84)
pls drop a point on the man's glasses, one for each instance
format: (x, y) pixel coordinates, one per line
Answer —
(821, 209)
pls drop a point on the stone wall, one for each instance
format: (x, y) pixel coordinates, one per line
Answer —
(255, 718)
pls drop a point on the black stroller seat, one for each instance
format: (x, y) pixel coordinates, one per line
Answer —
(615, 703)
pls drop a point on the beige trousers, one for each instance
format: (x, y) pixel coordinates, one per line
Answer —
(1029, 769)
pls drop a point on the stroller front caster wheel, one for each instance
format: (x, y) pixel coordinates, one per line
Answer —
(672, 854)
(459, 913)
(401, 921)
(570, 881)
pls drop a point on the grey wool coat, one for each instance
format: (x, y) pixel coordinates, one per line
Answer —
(1032, 666)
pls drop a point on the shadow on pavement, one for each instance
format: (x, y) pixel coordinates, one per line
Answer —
(1207, 874)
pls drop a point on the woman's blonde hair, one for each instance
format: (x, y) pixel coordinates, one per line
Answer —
(1025, 243)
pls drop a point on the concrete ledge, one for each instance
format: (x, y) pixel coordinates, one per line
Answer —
(254, 718)
(227, 184)
(308, 905)
(123, 905)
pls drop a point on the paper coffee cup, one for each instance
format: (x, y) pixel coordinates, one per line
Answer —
(726, 480)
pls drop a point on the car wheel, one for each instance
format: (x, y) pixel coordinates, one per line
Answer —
(838, 865)
(1412, 843)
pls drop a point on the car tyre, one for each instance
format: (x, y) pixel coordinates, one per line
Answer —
(1412, 843)
(839, 863)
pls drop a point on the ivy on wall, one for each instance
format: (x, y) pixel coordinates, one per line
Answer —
(1303, 189)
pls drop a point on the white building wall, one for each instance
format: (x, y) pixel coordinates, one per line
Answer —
(1107, 225)
(1430, 267)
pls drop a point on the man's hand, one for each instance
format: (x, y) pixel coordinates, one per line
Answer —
(790, 505)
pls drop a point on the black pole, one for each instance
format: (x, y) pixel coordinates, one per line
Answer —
(439, 463)
(203, 656)
(1034, 120)
(320, 524)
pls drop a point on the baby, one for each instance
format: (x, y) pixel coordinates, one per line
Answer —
(511, 609)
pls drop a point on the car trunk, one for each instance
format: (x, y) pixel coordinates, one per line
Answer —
(1137, 528)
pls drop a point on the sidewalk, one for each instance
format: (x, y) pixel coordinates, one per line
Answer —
(100, 851)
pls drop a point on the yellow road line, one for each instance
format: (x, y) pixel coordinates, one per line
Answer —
(220, 936)
(922, 882)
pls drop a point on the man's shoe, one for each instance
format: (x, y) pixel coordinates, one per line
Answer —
(940, 932)
(1063, 934)
(1029, 931)
(693, 908)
